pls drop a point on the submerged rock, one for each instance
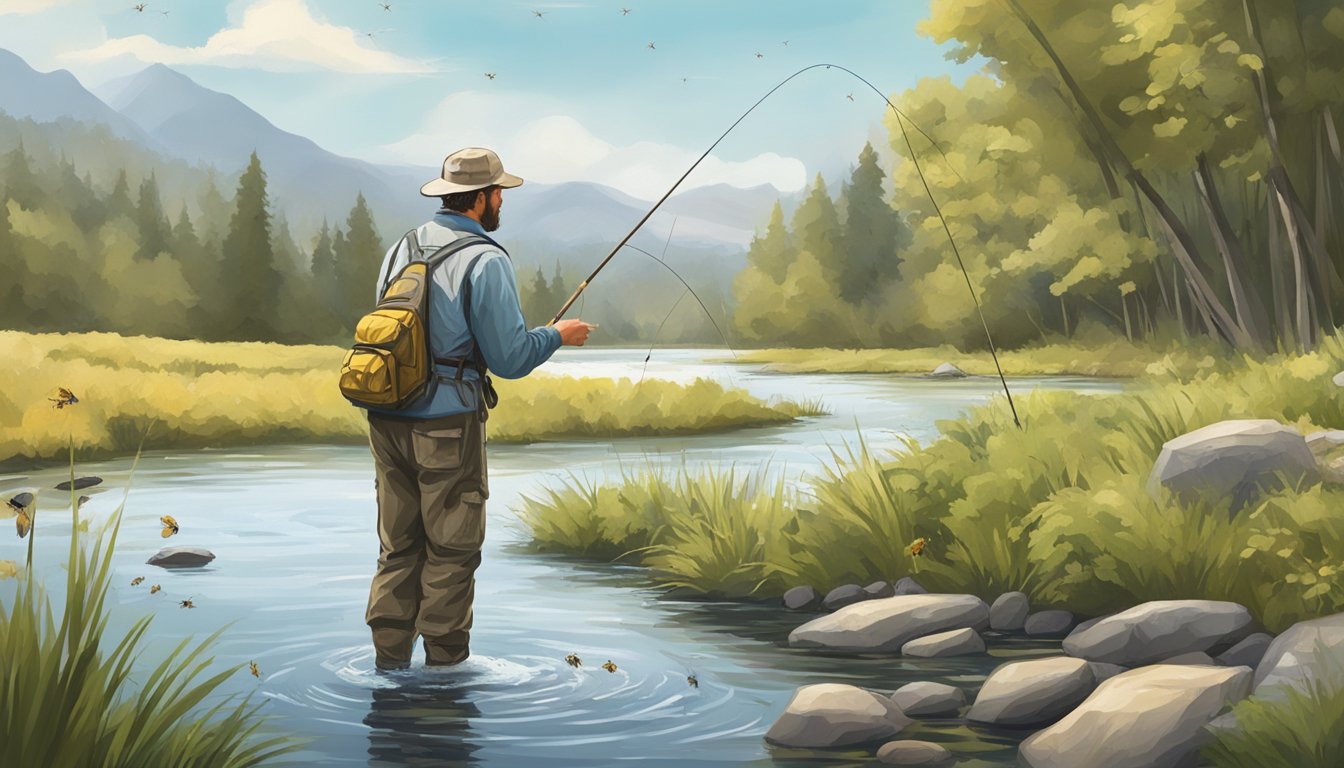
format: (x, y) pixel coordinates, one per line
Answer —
(1158, 630)
(803, 598)
(1236, 456)
(909, 752)
(947, 371)
(1048, 624)
(80, 483)
(841, 596)
(1152, 717)
(181, 557)
(1032, 692)
(957, 642)
(889, 623)
(925, 699)
(832, 715)
(1009, 612)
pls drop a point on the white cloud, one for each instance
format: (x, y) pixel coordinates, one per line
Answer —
(558, 148)
(279, 35)
(25, 7)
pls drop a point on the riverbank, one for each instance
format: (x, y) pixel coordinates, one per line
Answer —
(1058, 509)
(1109, 358)
(199, 394)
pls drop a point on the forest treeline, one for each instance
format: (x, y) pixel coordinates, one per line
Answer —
(1170, 167)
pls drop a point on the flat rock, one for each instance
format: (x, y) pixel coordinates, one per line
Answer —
(1152, 717)
(879, 589)
(1246, 653)
(803, 598)
(1231, 457)
(925, 699)
(181, 557)
(947, 371)
(891, 622)
(956, 642)
(1324, 440)
(841, 596)
(80, 483)
(1009, 612)
(907, 752)
(1048, 623)
(1033, 692)
(1157, 630)
(908, 586)
(833, 715)
(1305, 651)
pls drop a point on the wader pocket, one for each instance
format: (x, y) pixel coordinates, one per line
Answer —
(437, 449)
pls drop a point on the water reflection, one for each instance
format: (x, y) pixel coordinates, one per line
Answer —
(421, 723)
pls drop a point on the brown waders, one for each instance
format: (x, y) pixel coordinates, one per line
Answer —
(432, 487)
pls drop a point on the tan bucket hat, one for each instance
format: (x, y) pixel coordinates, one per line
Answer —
(470, 169)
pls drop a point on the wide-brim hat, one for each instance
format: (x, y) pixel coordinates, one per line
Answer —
(467, 170)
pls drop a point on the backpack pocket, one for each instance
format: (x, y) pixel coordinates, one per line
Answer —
(369, 377)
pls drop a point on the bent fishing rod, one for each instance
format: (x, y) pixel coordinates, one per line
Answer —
(901, 120)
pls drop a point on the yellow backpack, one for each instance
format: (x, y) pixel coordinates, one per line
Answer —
(391, 364)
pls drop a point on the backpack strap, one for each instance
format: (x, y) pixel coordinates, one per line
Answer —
(417, 253)
(488, 397)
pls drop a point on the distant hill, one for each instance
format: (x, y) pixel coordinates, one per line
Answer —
(49, 96)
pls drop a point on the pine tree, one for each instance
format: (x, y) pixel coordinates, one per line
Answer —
(323, 266)
(868, 257)
(816, 227)
(249, 277)
(538, 298)
(12, 266)
(771, 253)
(119, 201)
(357, 267)
(21, 184)
(215, 211)
(152, 223)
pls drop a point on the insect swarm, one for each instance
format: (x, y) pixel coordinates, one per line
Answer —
(169, 526)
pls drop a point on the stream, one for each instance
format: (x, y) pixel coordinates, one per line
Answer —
(292, 527)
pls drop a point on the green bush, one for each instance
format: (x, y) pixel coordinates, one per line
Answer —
(1300, 728)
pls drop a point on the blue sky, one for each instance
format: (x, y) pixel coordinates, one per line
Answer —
(577, 93)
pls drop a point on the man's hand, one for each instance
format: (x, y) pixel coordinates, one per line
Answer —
(574, 332)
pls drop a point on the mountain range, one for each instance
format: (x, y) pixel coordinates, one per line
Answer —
(170, 114)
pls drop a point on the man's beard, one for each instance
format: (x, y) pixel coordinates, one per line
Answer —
(490, 216)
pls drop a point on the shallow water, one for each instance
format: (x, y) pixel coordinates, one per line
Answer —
(293, 531)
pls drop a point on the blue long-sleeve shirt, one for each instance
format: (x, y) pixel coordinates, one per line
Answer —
(511, 351)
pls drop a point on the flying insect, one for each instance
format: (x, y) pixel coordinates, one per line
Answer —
(66, 397)
(609, 666)
(573, 660)
(169, 526)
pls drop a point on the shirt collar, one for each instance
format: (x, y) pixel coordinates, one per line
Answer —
(456, 221)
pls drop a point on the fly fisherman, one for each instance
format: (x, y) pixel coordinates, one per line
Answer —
(430, 458)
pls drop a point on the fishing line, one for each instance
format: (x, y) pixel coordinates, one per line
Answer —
(901, 119)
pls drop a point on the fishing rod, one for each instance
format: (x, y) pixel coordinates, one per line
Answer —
(901, 119)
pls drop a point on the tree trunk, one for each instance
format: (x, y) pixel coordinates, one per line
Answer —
(1250, 313)
(1277, 270)
(1302, 314)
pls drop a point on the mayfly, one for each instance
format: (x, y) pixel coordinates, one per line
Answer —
(64, 397)
(169, 526)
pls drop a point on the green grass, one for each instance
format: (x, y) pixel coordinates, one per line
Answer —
(1302, 728)
(67, 692)
(1105, 357)
(1058, 509)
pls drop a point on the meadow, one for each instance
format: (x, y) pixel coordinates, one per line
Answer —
(246, 393)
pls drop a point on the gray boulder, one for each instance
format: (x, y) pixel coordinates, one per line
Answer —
(956, 642)
(1032, 692)
(1325, 440)
(891, 622)
(907, 752)
(803, 598)
(832, 715)
(1246, 653)
(1193, 658)
(181, 557)
(924, 699)
(1048, 623)
(947, 371)
(1158, 630)
(879, 589)
(847, 594)
(1305, 651)
(908, 586)
(1009, 612)
(1231, 457)
(1152, 717)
